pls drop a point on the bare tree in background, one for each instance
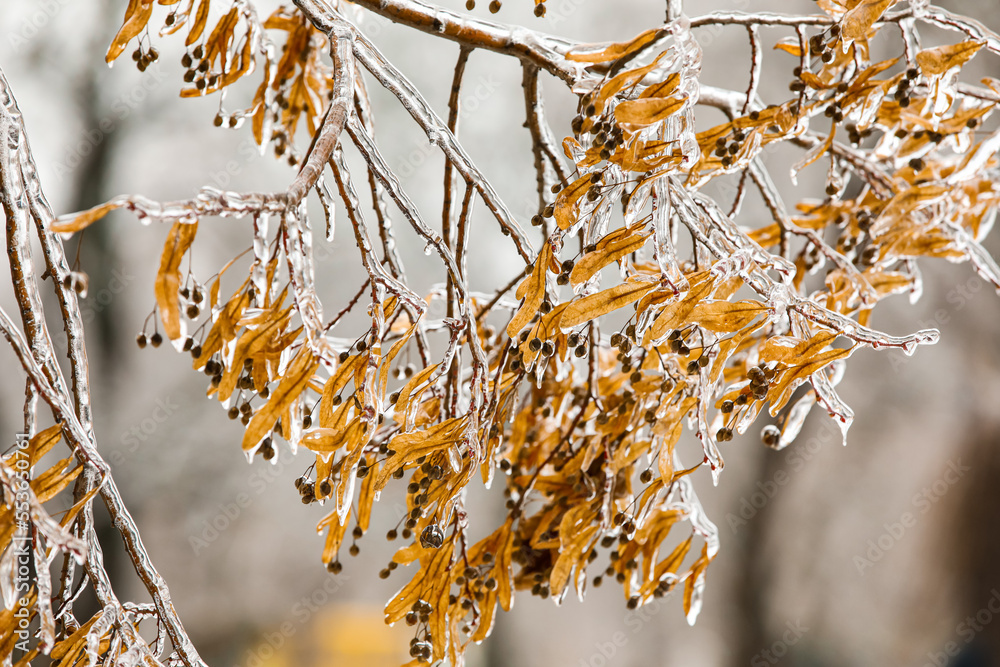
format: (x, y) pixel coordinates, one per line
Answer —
(645, 306)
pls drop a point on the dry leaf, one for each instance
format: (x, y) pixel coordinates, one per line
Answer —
(168, 279)
(595, 305)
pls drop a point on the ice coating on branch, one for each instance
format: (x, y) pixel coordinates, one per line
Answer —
(297, 240)
(690, 70)
(778, 299)
(97, 632)
(259, 271)
(130, 658)
(982, 260)
(735, 264)
(738, 240)
(919, 7)
(666, 256)
(861, 334)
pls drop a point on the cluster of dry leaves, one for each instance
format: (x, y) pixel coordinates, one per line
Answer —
(646, 308)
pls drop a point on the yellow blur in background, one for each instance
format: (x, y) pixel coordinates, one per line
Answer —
(349, 635)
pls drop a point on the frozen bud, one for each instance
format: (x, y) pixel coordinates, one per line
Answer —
(771, 436)
(432, 537)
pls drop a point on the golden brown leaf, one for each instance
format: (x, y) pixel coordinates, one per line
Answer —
(938, 60)
(334, 536)
(676, 314)
(77, 222)
(42, 442)
(532, 290)
(859, 20)
(566, 203)
(198, 27)
(595, 305)
(643, 112)
(411, 446)
(168, 279)
(695, 581)
(604, 53)
(136, 17)
(610, 249)
(47, 485)
(726, 317)
(293, 383)
(576, 532)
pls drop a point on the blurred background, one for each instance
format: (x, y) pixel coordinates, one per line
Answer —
(884, 552)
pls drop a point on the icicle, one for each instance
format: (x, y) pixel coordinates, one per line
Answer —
(294, 428)
(826, 396)
(916, 280)
(8, 567)
(869, 110)
(345, 492)
(709, 532)
(298, 253)
(797, 415)
(454, 458)
(637, 201)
